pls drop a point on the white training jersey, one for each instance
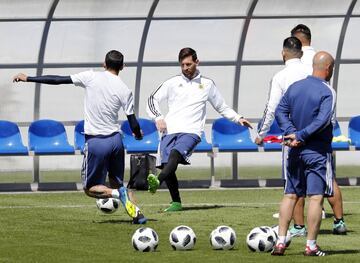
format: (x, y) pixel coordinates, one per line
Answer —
(186, 101)
(308, 55)
(294, 71)
(105, 94)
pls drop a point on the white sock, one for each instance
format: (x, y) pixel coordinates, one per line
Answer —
(115, 194)
(281, 240)
(311, 244)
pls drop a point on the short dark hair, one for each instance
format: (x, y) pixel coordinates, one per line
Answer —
(292, 44)
(114, 60)
(301, 28)
(187, 51)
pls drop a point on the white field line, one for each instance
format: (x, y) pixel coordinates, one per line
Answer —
(241, 204)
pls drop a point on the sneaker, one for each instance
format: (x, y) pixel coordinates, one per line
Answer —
(131, 209)
(140, 218)
(174, 207)
(298, 232)
(278, 250)
(317, 252)
(323, 214)
(339, 228)
(153, 182)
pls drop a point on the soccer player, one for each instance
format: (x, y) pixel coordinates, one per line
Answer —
(105, 94)
(294, 70)
(303, 33)
(305, 115)
(181, 128)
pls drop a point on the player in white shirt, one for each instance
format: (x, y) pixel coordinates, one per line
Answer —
(105, 95)
(181, 128)
(294, 70)
(303, 33)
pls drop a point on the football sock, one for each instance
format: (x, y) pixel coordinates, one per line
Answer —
(281, 240)
(174, 159)
(337, 221)
(311, 244)
(173, 185)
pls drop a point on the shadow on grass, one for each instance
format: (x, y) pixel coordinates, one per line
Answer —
(187, 208)
(329, 232)
(119, 221)
(344, 251)
(330, 215)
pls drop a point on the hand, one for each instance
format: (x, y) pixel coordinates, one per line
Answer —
(258, 140)
(139, 138)
(245, 122)
(291, 141)
(20, 77)
(161, 125)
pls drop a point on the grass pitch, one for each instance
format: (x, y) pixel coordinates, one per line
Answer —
(67, 227)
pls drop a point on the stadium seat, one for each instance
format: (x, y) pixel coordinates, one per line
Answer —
(48, 137)
(339, 145)
(274, 131)
(79, 136)
(227, 136)
(203, 146)
(150, 142)
(10, 139)
(354, 131)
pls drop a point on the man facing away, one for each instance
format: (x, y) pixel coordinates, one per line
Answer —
(303, 33)
(305, 116)
(105, 94)
(181, 128)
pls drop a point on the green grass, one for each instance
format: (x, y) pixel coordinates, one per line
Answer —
(184, 173)
(67, 227)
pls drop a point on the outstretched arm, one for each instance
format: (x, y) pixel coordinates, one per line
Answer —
(47, 79)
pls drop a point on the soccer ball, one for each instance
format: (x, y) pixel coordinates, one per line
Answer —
(145, 239)
(182, 238)
(288, 235)
(107, 205)
(223, 237)
(261, 239)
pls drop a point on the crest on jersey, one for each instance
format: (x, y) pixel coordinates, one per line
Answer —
(201, 86)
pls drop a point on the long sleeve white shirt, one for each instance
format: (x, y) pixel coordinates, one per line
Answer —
(308, 55)
(186, 100)
(294, 71)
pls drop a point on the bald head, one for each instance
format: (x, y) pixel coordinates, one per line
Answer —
(323, 65)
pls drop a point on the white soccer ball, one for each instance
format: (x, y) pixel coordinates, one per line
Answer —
(107, 205)
(261, 239)
(222, 237)
(145, 239)
(288, 235)
(182, 238)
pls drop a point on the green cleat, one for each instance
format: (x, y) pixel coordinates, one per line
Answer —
(153, 183)
(298, 232)
(174, 207)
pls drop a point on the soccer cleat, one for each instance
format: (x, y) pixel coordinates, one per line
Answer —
(174, 207)
(298, 232)
(323, 214)
(131, 209)
(317, 252)
(339, 228)
(276, 215)
(153, 183)
(278, 250)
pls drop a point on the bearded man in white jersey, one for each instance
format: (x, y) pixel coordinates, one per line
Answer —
(303, 33)
(105, 94)
(181, 128)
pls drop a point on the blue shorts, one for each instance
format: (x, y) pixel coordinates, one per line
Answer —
(309, 174)
(103, 155)
(184, 143)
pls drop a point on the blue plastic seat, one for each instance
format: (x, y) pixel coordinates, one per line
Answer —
(203, 146)
(274, 131)
(354, 131)
(48, 137)
(150, 141)
(228, 136)
(339, 145)
(10, 139)
(79, 136)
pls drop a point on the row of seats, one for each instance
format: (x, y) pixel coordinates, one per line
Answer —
(48, 137)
